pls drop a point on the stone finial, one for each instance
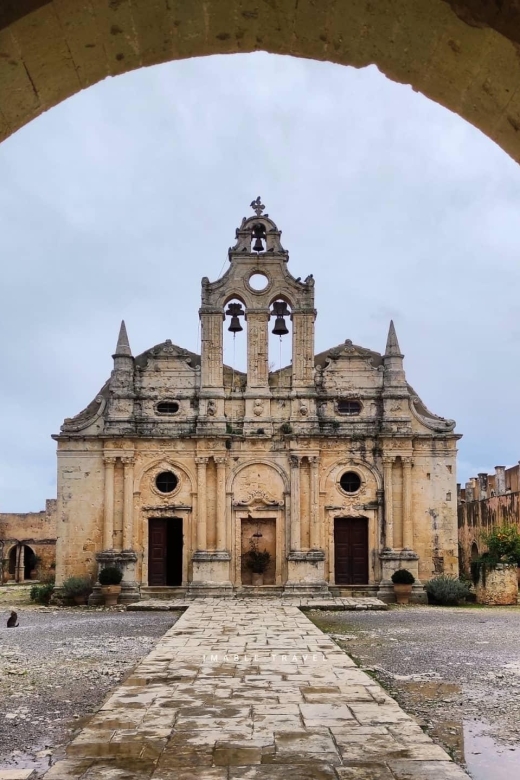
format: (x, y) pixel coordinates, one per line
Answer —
(123, 345)
(392, 345)
(257, 206)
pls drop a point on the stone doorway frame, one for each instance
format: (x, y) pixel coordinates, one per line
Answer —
(183, 513)
(374, 547)
(258, 512)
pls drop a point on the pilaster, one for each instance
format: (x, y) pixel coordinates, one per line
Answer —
(108, 520)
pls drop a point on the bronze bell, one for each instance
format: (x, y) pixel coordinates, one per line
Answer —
(280, 311)
(234, 325)
(235, 310)
(280, 328)
(258, 246)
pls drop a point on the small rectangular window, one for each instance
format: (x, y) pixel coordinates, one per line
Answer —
(348, 406)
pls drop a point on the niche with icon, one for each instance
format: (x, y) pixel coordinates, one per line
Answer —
(260, 533)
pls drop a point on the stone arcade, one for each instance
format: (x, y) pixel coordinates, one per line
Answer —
(333, 463)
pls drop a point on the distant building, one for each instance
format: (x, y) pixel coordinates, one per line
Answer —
(181, 463)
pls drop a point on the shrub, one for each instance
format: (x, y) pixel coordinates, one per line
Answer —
(403, 577)
(446, 590)
(286, 428)
(76, 586)
(41, 594)
(256, 560)
(503, 543)
(110, 575)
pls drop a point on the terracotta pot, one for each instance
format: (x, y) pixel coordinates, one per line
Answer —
(80, 599)
(257, 579)
(110, 593)
(402, 593)
(33, 575)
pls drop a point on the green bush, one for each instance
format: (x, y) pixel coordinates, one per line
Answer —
(257, 560)
(110, 575)
(41, 594)
(503, 543)
(403, 577)
(76, 586)
(446, 590)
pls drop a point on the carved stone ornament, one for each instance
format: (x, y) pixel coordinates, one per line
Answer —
(258, 497)
(258, 408)
(212, 408)
(304, 409)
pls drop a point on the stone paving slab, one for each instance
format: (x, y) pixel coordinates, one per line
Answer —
(251, 690)
(332, 603)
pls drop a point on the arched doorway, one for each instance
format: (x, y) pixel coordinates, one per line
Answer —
(22, 561)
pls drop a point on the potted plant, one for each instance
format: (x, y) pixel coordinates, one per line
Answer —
(110, 580)
(77, 588)
(403, 581)
(257, 561)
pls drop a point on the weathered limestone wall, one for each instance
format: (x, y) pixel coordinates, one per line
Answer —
(498, 587)
(461, 58)
(37, 530)
(485, 502)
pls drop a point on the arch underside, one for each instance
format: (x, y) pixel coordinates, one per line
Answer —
(463, 54)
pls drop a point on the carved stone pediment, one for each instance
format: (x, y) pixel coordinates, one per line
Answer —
(258, 497)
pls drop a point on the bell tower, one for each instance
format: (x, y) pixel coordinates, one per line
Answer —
(257, 253)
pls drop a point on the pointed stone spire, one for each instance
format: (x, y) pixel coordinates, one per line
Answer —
(123, 345)
(392, 345)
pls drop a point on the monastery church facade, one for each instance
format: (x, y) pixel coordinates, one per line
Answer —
(333, 463)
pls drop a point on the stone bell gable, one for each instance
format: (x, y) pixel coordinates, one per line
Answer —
(332, 463)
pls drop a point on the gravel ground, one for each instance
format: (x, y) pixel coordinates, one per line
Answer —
(58, 667)
(457, 670)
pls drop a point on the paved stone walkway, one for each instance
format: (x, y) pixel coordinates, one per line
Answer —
(328, 602)
(251, 690)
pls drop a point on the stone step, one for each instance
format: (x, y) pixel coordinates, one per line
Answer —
(162, 592)
(354, 591)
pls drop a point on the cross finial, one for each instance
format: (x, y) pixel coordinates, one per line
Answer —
(257, 206)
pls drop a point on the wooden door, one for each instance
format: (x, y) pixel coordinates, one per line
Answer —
(157, 551)
(351, 550)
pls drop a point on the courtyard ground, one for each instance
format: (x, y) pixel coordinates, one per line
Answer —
(58, 667)
(456, 669)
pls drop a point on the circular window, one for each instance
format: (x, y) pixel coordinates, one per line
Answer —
(347, 406)
(258, 282)
(166, 481)
(168, 407)
(350, 482)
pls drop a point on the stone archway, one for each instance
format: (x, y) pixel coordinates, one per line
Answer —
(460, 53)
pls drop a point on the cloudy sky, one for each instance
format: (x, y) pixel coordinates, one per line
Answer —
(114, 205)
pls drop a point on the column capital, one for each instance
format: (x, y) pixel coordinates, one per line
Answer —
(407, 460)
(295, 461)
(128, 460)
(109, 460)
(220, 460)
(314, 460)
(201, 461)
(388, 460)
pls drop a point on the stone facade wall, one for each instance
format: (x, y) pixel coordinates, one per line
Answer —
(255, 447)
(36, 530)
(498, 587)
(485, 502)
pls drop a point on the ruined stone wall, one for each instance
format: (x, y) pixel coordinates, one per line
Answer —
(480, 516)
(37, 530)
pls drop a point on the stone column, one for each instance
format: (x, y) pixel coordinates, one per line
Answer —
(257, 350)
(221, 503)
(303, 348)
(211, 348)
(295, 543)
(388, 463)
(483, 485)
(128, 503)
(108, 525)
(315, 540)
(500, 480)
(407, 504)
(469, 492)
(202, 503)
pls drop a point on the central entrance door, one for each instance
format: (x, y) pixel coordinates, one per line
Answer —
(351, 550)
(165, 551)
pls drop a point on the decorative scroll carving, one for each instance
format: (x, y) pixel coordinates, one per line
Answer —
(258, 497)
